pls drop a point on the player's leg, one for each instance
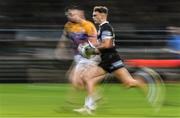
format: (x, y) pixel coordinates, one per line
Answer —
(77, 87)
(76, 72)
(156, 88)
(94, 74)
(76, 75)
(93, 95)
(148, 80)
(123, 75)
(112, 63)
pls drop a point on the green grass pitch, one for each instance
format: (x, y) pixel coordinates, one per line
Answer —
(58, 100)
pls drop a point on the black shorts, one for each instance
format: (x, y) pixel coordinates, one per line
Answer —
(111, 61)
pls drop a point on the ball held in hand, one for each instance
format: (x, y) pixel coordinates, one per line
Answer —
(86, 50)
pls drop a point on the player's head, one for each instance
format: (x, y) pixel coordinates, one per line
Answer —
(100, 14)
(74, 13)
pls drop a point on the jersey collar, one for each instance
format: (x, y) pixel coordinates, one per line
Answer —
(103, 23)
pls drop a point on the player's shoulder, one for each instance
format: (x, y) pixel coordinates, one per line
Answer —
(106, 26)
(67, 24)
(88, 23)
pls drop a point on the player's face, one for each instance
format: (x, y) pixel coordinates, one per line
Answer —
(97, 17)
(73, 15)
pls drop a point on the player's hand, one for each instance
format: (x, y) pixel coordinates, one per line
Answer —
(86, 50)
(91, 50)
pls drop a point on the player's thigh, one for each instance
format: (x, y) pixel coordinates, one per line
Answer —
(94, 72)
(123, 75)
(76, 75)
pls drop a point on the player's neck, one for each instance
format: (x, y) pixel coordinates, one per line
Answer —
(103, 22)
(80, 20)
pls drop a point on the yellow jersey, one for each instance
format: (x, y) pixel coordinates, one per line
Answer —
(80, 32)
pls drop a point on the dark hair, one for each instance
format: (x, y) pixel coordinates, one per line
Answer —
(101, 9)
(74, 7)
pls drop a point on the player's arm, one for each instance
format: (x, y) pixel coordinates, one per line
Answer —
(62, 44)
(106, 43)
(107, 37)
(63, 40)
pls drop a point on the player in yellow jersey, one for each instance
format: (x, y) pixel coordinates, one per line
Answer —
(80, 31)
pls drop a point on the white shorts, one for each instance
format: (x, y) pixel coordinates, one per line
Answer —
(82, 60)
(84, 65)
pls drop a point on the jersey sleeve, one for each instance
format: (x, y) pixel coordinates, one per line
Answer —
(107, 32)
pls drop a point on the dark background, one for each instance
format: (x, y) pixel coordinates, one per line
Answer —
(50, 13)
(30, 30)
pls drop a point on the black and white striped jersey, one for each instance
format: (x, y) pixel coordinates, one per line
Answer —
(106, 32)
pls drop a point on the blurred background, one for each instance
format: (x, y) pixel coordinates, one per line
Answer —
(33, 81)
(147, 34)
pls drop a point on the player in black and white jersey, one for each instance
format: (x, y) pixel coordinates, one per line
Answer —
(112, 63)
(110, 60)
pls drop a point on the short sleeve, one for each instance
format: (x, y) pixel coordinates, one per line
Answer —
(107, 32)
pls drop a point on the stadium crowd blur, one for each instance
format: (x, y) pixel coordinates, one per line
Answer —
(30, 30)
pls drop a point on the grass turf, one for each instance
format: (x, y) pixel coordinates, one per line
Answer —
(58, 100)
